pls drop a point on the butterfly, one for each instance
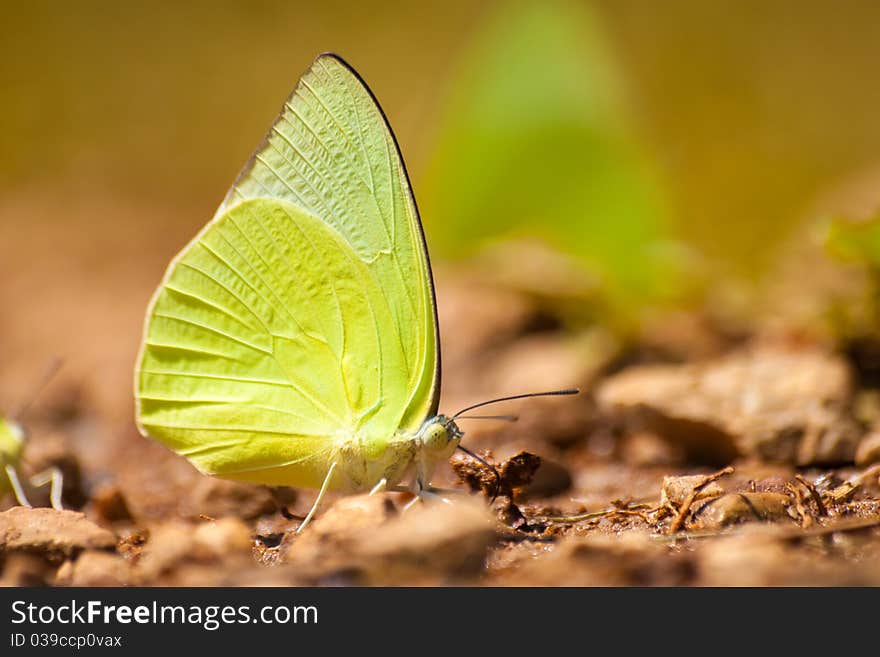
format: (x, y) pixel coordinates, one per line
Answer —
(294, 341)
(12, 442)
(11, 448)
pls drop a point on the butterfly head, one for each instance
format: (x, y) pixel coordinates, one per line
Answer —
(440, 436)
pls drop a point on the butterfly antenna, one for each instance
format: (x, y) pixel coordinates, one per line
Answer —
(494, 470)
(503, 418)
(50, 371)
(551, 393)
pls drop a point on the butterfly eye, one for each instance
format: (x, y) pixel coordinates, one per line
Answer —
(450, 428)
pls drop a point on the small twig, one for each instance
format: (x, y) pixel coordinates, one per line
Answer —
(814, 494)
(623, 509)
(581, 517)
(685, 507)
(860, 479)
(678, 521)
(800, 507)
(843, 492)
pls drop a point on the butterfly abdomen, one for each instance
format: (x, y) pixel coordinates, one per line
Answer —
(363, 464)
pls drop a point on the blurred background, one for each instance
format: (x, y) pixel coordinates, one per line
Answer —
(619, 161)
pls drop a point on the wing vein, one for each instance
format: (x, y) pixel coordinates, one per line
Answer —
(212, 329)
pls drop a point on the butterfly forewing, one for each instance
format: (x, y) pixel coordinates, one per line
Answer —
(304, 311)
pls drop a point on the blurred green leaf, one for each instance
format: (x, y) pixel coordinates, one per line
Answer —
(857, 242)
(536, 141)
(852, 308)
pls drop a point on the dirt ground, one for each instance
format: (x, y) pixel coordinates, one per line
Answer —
(695, 454)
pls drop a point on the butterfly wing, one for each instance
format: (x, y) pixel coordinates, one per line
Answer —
(303, 314)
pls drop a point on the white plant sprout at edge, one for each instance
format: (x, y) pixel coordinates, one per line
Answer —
(12, 441)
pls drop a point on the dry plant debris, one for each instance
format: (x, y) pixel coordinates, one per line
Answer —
(618, 486)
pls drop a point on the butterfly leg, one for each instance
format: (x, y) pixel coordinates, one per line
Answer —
(17, 489)
(415, 488)
(381, 486)
(55, 478)
(318, 499)
(426, 493)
